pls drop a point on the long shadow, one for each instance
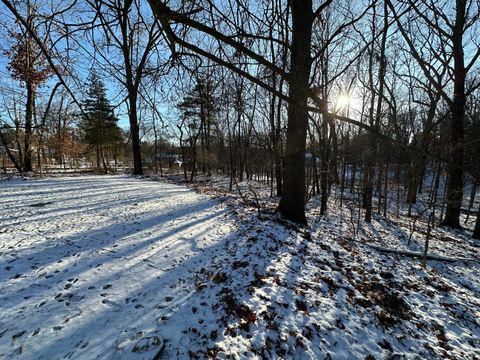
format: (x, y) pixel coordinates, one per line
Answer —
(245, 244)
(261, 244)
(72, 184)
(92, 207)
(60, 186)
(107, 325)
(88, 245)
(52, 194)
(26, 200)
(89, 242)
(131, 251)
(136, 250)
(95, 205)
(246, 257)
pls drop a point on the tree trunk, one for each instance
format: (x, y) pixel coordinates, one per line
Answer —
(9, 153)
(275, 138)
(27, 152)
(473, 193)
(278, 147)
(374, 141)
(292, 203)
(98, 157)
(370, 153)
(104, 162)
(18, 144)
(325, 165)
(135, 134)
(412, 182)
(156, 147)
(457, 108)
(476, 231)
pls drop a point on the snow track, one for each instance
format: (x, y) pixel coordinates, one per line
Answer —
(91, 265)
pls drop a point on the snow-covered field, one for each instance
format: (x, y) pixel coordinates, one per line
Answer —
(114, 267)
(90, 265)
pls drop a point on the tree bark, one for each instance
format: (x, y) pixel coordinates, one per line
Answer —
(27, 152)
(455, 167)
(134, 129)
(9, 153)
(473, 193)
(292, 203)
(476, 231)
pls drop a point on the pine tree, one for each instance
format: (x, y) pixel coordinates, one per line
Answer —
(99, 124)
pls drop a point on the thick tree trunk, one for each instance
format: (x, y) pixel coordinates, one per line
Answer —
(275, 138)
(135, 134)
(370, 153)
(457, 108)
(292, 203)
(278, 147)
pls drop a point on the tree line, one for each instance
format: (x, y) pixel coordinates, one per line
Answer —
(305, 95)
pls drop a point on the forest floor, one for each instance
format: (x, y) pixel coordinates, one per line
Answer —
(117, 267)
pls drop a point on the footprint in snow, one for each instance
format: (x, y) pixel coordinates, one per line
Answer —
(15, 353)
(164, 318)
(19, 334)
(115, 307)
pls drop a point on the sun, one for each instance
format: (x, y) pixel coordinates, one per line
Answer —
(343, 101)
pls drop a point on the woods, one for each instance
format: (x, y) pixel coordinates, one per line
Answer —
(239, 179)
(310, 97)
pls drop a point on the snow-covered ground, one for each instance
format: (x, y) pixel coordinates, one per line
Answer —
(90, 265)
(114, 267)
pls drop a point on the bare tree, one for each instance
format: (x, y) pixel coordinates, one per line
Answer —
(126, 29)
(447, 28)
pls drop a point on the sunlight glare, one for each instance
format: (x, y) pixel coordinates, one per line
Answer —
(343, 101)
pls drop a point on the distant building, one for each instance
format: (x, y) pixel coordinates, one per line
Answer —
(169, 159)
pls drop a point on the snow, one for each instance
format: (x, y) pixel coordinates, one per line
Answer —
(117, 267)
(100, 264)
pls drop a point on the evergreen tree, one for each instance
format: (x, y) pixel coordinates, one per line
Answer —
(99, 124)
